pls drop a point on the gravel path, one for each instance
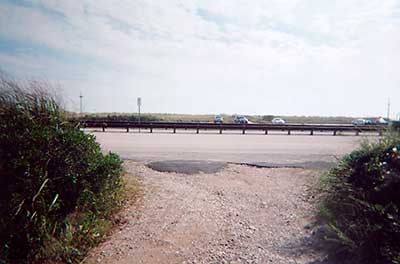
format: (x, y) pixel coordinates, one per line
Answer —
(239, 214)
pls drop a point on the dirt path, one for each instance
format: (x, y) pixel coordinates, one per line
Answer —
(238, 215)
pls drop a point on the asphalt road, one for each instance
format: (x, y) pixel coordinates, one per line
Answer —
(268, 150)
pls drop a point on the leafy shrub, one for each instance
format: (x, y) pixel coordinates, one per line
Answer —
(361, 207)
(57, 189)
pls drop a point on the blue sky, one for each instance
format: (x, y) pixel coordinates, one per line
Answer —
(282, 57)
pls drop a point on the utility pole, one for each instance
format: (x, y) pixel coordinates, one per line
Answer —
(388, 109)
(80, 102)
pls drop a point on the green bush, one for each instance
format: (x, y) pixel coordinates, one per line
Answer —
(57, 189)
(361, 205)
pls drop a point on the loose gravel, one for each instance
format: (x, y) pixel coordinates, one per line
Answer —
(240, 214)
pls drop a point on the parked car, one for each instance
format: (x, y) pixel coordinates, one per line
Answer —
(361, 122)
(218, 119)
(240, 120)
(278, 121)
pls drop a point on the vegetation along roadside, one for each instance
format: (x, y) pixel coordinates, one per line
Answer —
(58, 191)
(360, 205)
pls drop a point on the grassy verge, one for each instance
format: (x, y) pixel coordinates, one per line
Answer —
(210, 118)
(58, 192)
(132, 193)
(360, 205)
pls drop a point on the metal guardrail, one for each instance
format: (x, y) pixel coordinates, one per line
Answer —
(311, 128)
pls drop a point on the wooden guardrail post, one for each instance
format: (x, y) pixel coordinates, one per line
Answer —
(220, 129)
(127, 128)
(334, 132)
(174, 129)
(151, 128)
(288, 132)
(311, 132)
(266, 132)
(244, 130)
(103, 126)
(197, 129)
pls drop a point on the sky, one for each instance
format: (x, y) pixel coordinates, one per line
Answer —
(279, 57)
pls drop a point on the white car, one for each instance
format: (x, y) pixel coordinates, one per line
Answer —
(382, 121)
(278, 121)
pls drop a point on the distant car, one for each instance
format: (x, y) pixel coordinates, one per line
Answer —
(278, 121)
(218, 119)
(360, 122)
(241, 120)
(368, 122)
(382, 121)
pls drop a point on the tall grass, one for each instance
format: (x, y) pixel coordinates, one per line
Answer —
(361, 205)
(57, 190)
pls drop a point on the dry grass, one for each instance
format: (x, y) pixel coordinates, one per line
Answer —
(133, 188)
(227, 118)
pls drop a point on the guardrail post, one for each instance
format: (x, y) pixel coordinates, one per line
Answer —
(151, 128)
(220, 130)
(311, 132)
(127, 128)
(104, 128)
(197, 130)
(334, 132)
(174, 130)
(288, 132)
(244, 130)
(266, 132)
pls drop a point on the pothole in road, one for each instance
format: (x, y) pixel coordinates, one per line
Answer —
(199, 166)
(187, 166)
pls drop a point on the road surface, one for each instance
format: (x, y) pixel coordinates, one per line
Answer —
(236, 148)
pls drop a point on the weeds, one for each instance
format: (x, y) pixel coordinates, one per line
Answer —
(361, 204)
(58, 190)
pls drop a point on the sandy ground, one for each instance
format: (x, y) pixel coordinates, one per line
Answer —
(239, 214)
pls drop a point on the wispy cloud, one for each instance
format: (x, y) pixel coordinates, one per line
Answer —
(211, 56)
